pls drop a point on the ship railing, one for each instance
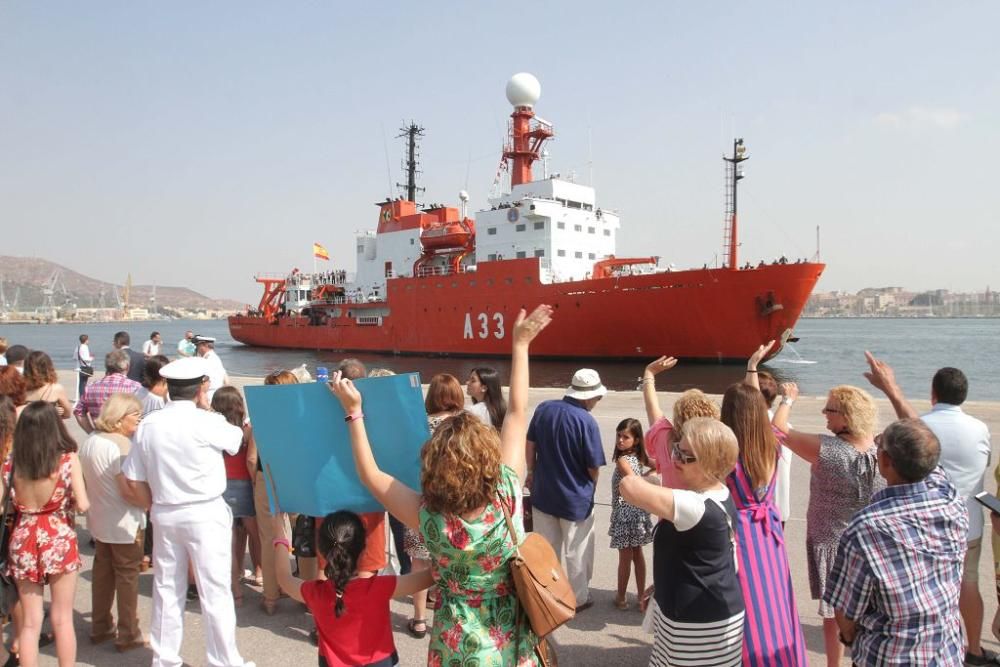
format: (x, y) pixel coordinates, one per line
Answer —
(426, 271)
(267, 275)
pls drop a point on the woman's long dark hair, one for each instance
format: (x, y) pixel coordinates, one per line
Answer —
(40, 440)
(634, 428)
(494, 400)
(744, 410)
(228, 403)
(341, 540)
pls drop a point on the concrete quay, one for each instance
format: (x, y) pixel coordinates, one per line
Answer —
(602, 635)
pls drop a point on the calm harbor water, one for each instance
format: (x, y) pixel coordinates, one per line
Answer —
(830, 352)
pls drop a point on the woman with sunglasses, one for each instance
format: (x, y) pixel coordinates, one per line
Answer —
(699, 611)
(844, 477)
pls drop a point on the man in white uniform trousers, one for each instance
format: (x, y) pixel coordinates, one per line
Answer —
(177, 462)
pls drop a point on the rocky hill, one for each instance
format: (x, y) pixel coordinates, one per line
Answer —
(26, 277)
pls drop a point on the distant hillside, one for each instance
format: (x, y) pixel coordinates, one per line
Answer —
(26, 277)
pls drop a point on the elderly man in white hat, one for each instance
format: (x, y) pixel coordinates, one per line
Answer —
(205, 348)
(564, 457)
(176, 463)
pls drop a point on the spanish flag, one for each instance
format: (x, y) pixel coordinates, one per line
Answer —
(319, 252)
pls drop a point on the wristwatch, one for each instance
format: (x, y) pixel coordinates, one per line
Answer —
(787, 400)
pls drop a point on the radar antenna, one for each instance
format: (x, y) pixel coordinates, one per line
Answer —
(411, 133)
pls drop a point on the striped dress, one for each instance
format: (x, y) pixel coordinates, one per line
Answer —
(772, 634)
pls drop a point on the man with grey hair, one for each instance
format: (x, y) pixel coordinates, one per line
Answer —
(898, 571)
(115, 381)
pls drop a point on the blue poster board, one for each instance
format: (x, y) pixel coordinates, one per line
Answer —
(306, 451)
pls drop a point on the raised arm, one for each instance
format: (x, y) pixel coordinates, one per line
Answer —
(401, 501)
(514, 432)
(653, 412)
(755, 358)
(883, 378)
(658, 500)
(804, 445)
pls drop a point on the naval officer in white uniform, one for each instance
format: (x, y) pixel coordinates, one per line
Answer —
(177, 463)
(205, 348)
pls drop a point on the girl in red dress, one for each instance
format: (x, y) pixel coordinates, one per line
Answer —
(48, 490)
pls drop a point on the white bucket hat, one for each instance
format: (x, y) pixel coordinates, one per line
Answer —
(586, 384)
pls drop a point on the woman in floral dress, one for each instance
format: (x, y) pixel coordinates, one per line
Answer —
(48, 489)
(467, 472)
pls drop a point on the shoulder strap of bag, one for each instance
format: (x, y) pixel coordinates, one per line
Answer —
(510, 524)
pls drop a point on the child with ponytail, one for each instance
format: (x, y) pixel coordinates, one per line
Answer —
(351, 611)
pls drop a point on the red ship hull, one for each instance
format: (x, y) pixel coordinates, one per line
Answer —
(703, 314)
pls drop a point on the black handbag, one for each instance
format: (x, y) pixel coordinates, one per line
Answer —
(304, 537)
(86, 369)
(8, 587)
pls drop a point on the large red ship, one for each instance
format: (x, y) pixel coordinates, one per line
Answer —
(433, 281)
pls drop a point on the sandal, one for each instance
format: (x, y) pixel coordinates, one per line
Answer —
(411, 627)
(622, 603)
(987, 657)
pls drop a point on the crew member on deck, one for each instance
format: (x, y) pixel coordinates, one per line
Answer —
(176, 464)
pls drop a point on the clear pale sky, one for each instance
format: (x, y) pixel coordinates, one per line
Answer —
(198, 143)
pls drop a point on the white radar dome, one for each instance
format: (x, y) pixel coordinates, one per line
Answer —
(523, 90)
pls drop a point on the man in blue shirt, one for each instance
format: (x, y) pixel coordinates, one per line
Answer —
(564, 456)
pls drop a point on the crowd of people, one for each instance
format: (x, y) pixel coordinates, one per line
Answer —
(170, 477)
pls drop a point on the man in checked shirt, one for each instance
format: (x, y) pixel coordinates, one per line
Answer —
(896, 579)
(116, 365)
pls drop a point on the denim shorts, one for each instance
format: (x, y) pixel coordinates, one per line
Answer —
(239, 497)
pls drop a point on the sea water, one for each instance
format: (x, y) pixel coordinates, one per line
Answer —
(829, 352)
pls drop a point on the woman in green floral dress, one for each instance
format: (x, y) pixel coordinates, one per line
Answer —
(466, 472)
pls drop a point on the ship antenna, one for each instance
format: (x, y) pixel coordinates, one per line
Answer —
(730, 237)
(388, 168)
(411, 133)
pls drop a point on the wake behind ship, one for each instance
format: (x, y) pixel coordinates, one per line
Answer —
(433, 281)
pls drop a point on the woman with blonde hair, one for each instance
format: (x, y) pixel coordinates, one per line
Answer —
(470, 477)
(664, 433)
(844, 477)
(116, 521)
(698, 617)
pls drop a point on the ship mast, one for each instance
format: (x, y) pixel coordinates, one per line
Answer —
(527, 133)
(730, 237)
(411, 133)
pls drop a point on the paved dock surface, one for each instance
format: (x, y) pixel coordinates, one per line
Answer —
(602, 635)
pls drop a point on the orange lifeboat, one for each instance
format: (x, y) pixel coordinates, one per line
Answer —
(441, 236)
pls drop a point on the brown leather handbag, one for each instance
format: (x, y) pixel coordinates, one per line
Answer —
(541, 583)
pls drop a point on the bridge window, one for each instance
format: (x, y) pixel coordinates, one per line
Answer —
(519, 227)
(492, 231)
(577, 228)
(591, 230)
(561, 225)
(560, 253)
(521, 254)
(591, 256)
(540, 252)
(607, 232)
(539, 225)
(578, 254)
